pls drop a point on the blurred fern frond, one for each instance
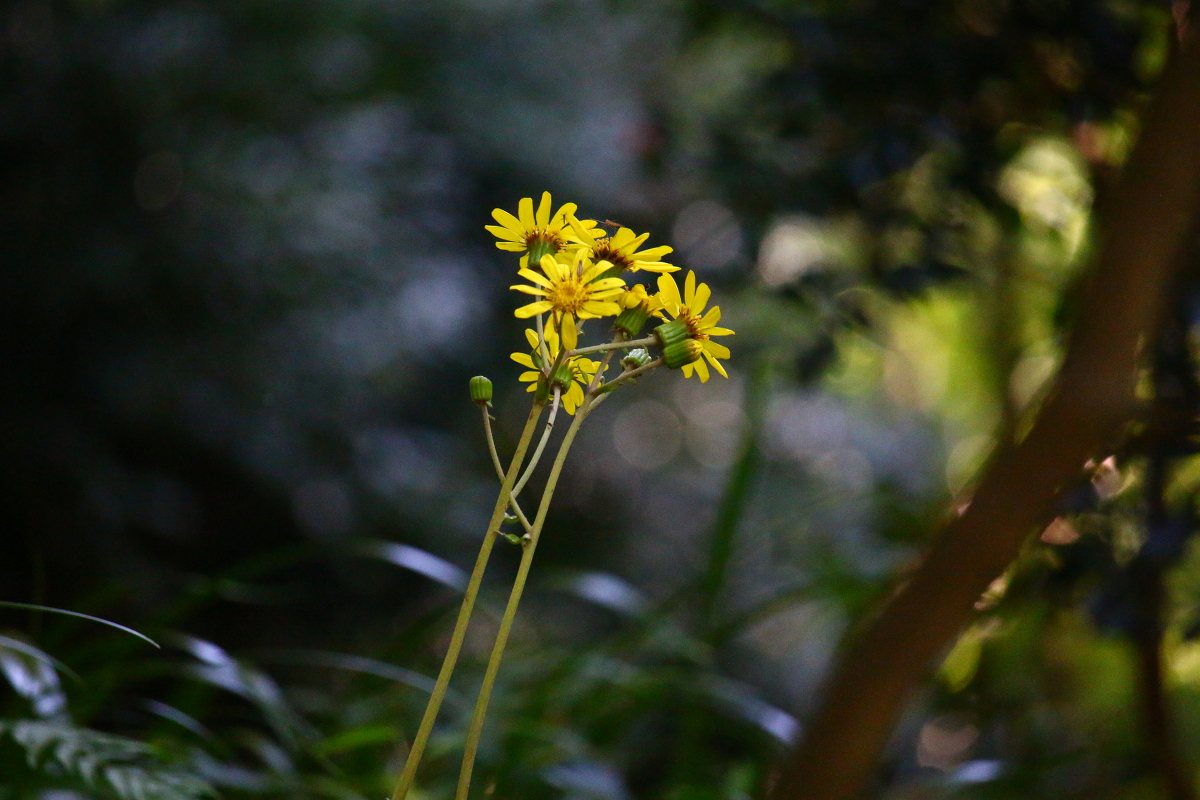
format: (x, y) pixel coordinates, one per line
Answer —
(113, 766)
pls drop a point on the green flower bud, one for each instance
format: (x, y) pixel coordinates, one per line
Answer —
(671, 332)
(631, 320)
(678, 354)
(638, 357)
(481, 390)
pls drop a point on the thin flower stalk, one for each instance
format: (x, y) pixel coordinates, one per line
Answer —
(537, 453)
(512, 499)
(614, 345)
(633, 373)
(514, 600)
(464, 612)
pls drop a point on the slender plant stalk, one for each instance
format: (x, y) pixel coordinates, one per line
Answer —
(633, 373)
(537, 453)
(512, 500)
(464, 613)
(510, 611)
(542, 341)
(599, 348)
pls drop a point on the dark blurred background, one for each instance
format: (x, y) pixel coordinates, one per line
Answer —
(246, 282)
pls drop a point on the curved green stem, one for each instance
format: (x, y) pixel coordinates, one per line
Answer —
(510, 611)
(512, 500)
(537, 453)
(464, 613)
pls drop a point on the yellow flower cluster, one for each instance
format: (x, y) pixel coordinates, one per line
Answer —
(575, 271)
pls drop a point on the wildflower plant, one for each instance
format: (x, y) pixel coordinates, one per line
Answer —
(574, 270)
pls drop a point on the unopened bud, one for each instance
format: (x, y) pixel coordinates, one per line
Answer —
(638, 357)
(678, 354)
(481, 390)
(671, 332)
(631, 320)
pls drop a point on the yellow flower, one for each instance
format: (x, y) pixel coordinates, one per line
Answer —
(636, 295)
(570, 292)
(621, 250)
(581, 369)
(540, 233)
(689, 308)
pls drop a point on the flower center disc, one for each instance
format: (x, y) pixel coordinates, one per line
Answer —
(569, 295)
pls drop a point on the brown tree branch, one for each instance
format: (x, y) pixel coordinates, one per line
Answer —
(1148, 220)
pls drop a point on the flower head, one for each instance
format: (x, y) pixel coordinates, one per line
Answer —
(621, 249)
(688, 309)
(541, 233)
(577, 371)
(570, 292)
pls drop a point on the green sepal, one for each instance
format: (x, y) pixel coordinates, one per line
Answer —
(679, 354)
(631, 320)
(672, 332)
(562, 376)
(538, 249)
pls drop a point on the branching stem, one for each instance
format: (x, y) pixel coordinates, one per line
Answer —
(512, 500)
(629, 375)
(542, 341)
(510, 611)
(628, 343)
(537, 453)
(464, 613)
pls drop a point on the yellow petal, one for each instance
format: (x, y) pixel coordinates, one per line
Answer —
(534, 277)
(531, 337)
(654, 253)
(520, 287)
(689, 289)
(512, 247)
(594, 309)
(533, 309)
(633, 245)
(543, 212)
(552, 268)
(504, 233)
(701, 369)
(700, 299)
(716, 364)
(711, 318)
(570, 336)
(565, 212)
(572, 399)
(686, 369)
(652, 266)
(529, 376)
(668, 292)
(523, 359)
(607, 283)
(580, 231)
(507, 220)
(718, 331)
(532, 387)
(525, 213)
(622, 237)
